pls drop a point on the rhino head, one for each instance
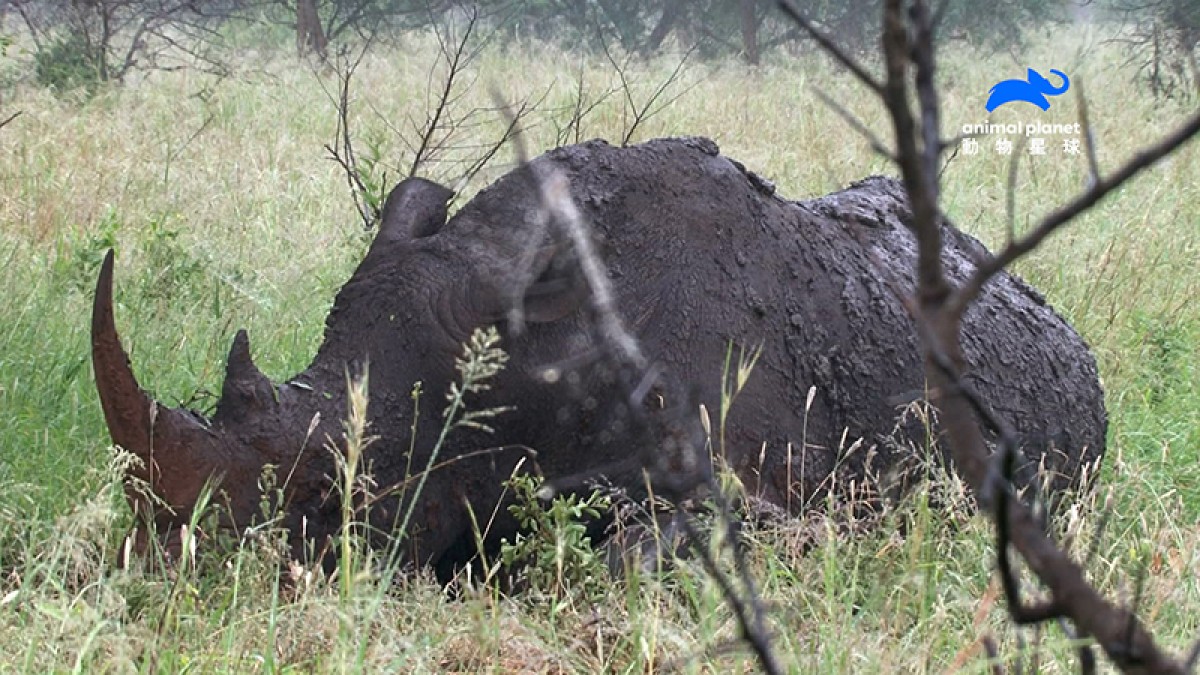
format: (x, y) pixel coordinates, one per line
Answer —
(415, 297)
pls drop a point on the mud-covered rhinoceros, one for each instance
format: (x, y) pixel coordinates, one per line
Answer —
(703, 257)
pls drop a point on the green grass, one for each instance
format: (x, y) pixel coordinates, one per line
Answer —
(249, 225)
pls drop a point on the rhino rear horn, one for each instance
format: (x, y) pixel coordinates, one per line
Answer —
(415, 208)
(246, 388)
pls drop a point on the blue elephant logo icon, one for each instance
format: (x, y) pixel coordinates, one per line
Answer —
(1034, 89)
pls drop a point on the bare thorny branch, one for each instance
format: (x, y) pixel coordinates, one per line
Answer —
(634, 113)
(436, 138)
(456, 59)
(438, 135)
(120, 36)
(909, 55)
(367, 203)
(581, 106)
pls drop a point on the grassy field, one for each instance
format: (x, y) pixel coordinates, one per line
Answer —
(226, 213)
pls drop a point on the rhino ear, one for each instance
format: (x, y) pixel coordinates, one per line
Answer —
(415, 208)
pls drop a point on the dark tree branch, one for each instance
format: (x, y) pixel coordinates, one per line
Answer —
(5, 122)
(938, 310)
(747, 610)
(1087, 655)
(922, 195)
(1021, 613)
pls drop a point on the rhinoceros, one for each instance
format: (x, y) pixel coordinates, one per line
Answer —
(704, 260)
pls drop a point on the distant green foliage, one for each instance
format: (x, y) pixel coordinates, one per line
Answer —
(716, 27)
(82, 263)
(1164, 40)
(372, 173)
(554, 555)
(169, 267)
(69, 63)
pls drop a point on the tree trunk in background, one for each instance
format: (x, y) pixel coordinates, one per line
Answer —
(310, 36)
(750, 32)
(662, 29)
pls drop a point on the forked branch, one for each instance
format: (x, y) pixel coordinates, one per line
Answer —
(368, 203)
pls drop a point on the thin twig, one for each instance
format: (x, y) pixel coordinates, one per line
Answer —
(1064, 214)
(455, 62)
(341, 150)
(831, 47)
(876, 144)
(1089, 139)
(645, 110)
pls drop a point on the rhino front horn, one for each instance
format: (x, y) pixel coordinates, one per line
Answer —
(128, 411)
(178, 450)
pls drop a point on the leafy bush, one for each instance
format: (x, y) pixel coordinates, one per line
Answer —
(68, 63)
(81, 263)
(554, 554)
(170, 267)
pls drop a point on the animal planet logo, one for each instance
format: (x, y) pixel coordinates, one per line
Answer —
(1033, 89)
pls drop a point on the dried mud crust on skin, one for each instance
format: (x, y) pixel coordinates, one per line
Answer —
(815, 281)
